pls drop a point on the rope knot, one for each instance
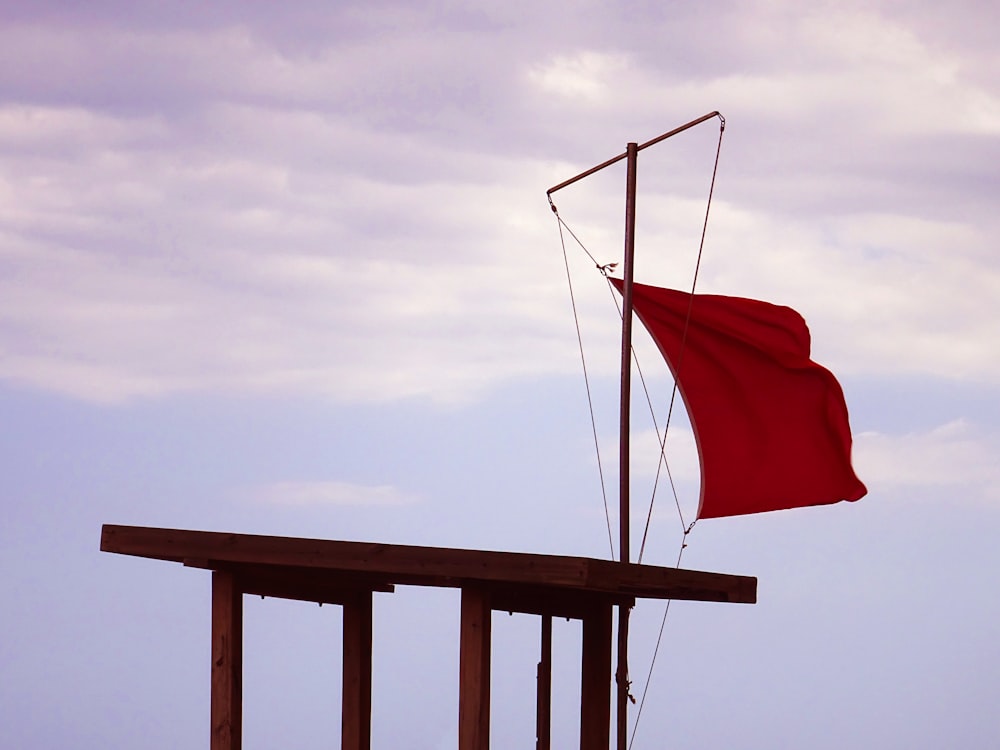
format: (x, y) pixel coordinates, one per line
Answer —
(606, 268)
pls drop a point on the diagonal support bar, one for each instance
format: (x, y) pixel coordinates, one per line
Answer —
(647, 144)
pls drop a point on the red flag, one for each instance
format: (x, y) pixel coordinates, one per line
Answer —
(771, 424)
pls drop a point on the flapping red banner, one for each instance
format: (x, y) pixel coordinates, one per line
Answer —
(771, 424)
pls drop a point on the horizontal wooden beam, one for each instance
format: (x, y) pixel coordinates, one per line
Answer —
(677, 583)
(550, 601)
(304, 584)
(427, 566)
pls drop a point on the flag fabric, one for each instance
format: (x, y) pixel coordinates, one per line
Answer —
(771, 425)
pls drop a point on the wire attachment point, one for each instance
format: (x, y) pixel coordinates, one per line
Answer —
(686, 532)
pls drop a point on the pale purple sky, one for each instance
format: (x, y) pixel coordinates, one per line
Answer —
(292, 271)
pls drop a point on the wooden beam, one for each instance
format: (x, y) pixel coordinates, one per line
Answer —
(356, 711)
(550, 600)
(303, 584)
(227, 662)
(595, 688)
(430, 566)
(653, 582)
(474, 670)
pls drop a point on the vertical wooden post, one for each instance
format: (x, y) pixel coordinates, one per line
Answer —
(543, 704)
(356, 706)
(227, 662)
(474, 671)
(595, 689)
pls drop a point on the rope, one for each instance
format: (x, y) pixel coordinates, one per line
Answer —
(680, 359)
(605, 269)
(663, 463)
(583, 361)
(659, 638)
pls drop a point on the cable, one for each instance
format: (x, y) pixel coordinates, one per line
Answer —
(684, 333)
(583, 361)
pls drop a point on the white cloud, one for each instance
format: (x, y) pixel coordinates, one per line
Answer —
(955, 454)
(588, 75)
(883, 294)
(238, 273)
(237, 215)
(327, 493)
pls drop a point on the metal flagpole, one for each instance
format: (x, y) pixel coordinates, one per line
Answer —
(621, 674)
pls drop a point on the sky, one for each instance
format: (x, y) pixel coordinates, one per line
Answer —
(291, 270)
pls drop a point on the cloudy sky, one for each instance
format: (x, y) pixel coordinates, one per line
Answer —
(292, 271)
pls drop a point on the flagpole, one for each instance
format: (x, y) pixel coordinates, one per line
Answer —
(630, 155)
(621, 675)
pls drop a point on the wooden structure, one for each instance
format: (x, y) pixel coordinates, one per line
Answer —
(347, 574)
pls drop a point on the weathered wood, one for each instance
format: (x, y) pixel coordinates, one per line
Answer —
(595, 687)
(347, 573)
(654, 582)
(622, 680)
(573, 604)
(227, 662)
(356, 710)
(430, 566)
(543, 703)
(474, 670)
(304, 584)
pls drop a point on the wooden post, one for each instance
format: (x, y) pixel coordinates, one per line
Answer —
(543, 705)
(474, 671)
(356, 706)
(227, 662)
(595, 689)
